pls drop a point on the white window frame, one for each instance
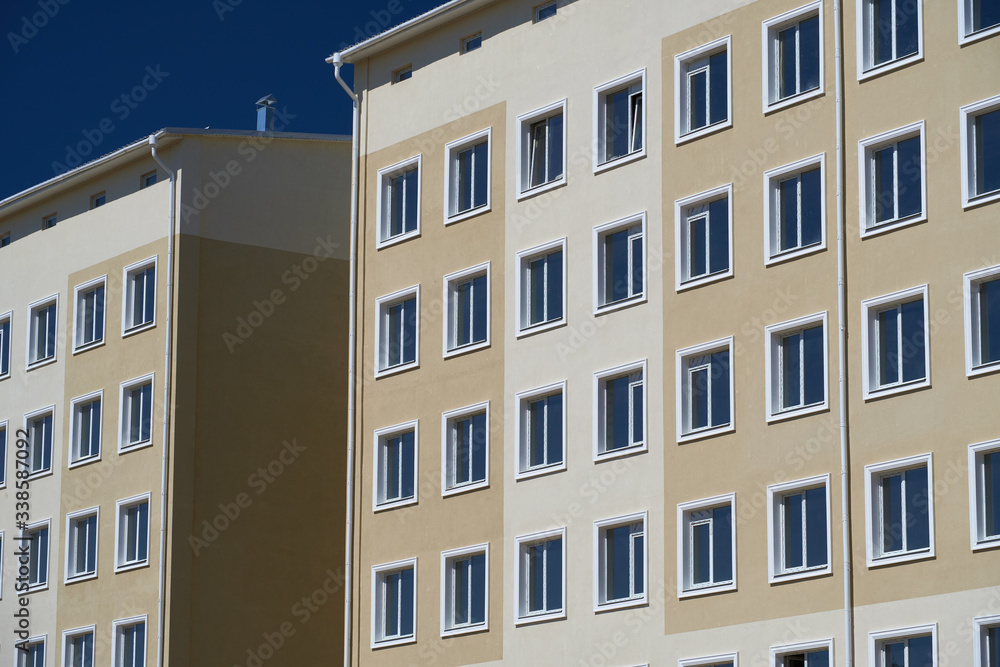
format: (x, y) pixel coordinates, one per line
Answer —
(681, 237)
(98, 200)
(381, 304)
(876, 640)
(601, 453)
(5, 342)
(980, 625)
(69, 635)
(684, 510)
(600, 565)
(864, 43)
(973, 344)
(869, 336)
(21, 657)
(522, 287)
(74, 434)
(50, 410)
(377, 572)
(866, 179)
(124, 412)
(521, 617)
(682, 62)
(711, 660)
(78, 293)
(451, 151)
(873, 473)
(600, 262)
(523, 398)
(4, 449)
(31, 527)
(772, 178)
(450, 281)
(118, 626)
(967, 120)
(30, 338)
(71, 518)
(775, 545)
(465, 42)
(769, 76)
(144, 179)
(382, 239)
(401, 74)
(524, 145)
(965, 33)
(682, 398)
(446, 590)
(600, 111)
(778, 653)
(128, 296)
(121, 506)
(773, 367)
(979, 540)
(378, 471)
(446, 459)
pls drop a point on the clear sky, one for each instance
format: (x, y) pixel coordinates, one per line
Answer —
(90, 76)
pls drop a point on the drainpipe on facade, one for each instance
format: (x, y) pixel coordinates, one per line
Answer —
(337, 62)
(845, 472)
(161, 603)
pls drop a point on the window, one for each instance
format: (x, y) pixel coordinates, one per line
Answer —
(541, 431)
(706, 542)
(5, 344)
(984, 490)
(795, 209)
(620, 410)
(4, 240)
(136, 413)
(472, 42)
(89, 316)
(977, 19)
(39, 424)
(81, 544)
(397, 329)
(34, 653)
(394, 603)
(799, 528)
(703, 237)
(899, 498)
(541, 576)
(987, 642)
(796, 371)
(132, 533)
(465, 590)
(620, 119)
(85, 432)
(620, 562)
(139, 305)
(619, 266)
(38, 555)
(704, 390)
(541, 287)
(724, 660)
(100, 199)
(541, 150)
(130, 642)
(50, 221)
(703, 90)
(895, 342)
(909, 647)
(793, 56)
(891, 170)
(545, 11)
(399, 201)
(78, 647)
(467, 185)
(396, 469)
(402, 74)
(3, 455)
(465, 447)
(981, 150)
(42, 329)
(889, 35)
(982, 321)
(467, 324)
(147, 179)
(812, 654)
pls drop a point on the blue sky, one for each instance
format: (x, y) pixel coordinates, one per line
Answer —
(89, 77)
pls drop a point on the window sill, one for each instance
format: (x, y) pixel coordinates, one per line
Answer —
(465, 630)
(871, 394)
(386, 643)
(540, 471)
(879, 561)
(798, 575)
(620, 305)
(706, 590)
(465, 488)
(128, 567)
(788, 255)
(472, 347)
(983, 369)
(88, 346)
(891, 66)
(540, 618)
(38, 364)
(883, 227)
(79, 463)
(80, 577)
(703, 280)
(978, 200)
(691, 436)
(395, 504)
(620, 452)
(703, 132)
(398, 239)
(33, 588)
(125, 449)
(392, 370)
(4, 376)
(976, 36)
(32, 476)
(138, 329)
(540, 327)
(797, 412)
(614, 605)
(465, 215)
(618, 161)
(986, 543)
(778, 105)
(539, 189)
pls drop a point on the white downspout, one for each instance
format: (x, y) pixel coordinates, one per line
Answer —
(352, 363)
(845, 473)
(161, 603)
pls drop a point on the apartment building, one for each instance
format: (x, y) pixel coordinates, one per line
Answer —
(173, 346)
(606, 415)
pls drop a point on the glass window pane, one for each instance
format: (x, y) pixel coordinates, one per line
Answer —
(479, 314)
(616, 413)
(884, 177)
(791, 387)
(718, 234)
(816, 528)
(479, 447)
(913, 357)
(719, 97)
(553, 584)
(888, 347)
(720, 388)
(461, 573)
(635, 255)
(989, 322)
(701, 544)
(722, 543)
(555, 147)
(536, 433)
(788, 213)
(787, 79)
(637, 414)
(618, 564)
(616, 269)
(411, 192)
(987, 131)
(554, 284)
(536, 577)
(917, 510)
(478, 612)
(985, 14)
(698, 100)
(812, 206)
(882, 29)
(921, 652)
(793, 536)
(892, 513)
(815, 386)
(809, 54)
(149, 300)
(406, 602)
(465, 180)
(907, 28)
(991, 494)
(910, 177)
(481, 178)
(616, 136)
(698, 240)
(554, 440)
(408, 323)
(699, 397)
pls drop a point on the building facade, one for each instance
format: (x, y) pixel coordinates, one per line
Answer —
(605, 413)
